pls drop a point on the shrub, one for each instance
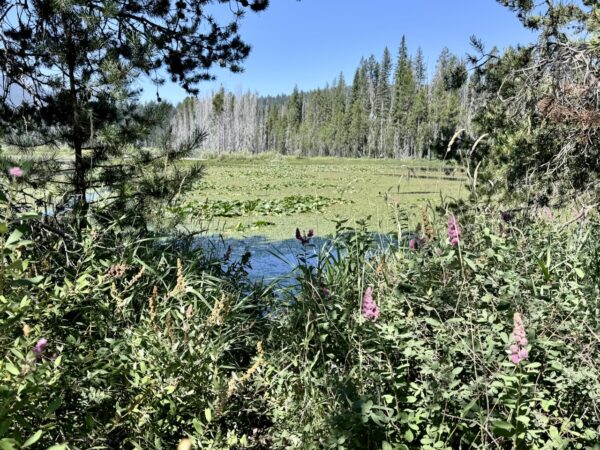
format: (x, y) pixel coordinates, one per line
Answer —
(434, 369)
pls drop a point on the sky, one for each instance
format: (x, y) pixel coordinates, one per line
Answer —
(308, 43)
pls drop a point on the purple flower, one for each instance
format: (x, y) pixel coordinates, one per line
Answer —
(412, 244)
(517, 351)
(454, 231)
(304, 239)
(40, 346)
(15, 172)
(327, 291)
(370, 308)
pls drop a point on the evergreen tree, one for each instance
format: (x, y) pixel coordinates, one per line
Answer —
(384, 100)
(76, 62)
(420, 109)
(404, 92)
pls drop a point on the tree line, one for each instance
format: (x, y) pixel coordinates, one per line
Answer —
(390, 109)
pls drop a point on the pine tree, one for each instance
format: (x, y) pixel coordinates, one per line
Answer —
(77, 61)
(419, 113)
(404, 92)
(384, 99)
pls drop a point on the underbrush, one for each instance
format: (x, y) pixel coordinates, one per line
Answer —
(477, 332)
(489, 343)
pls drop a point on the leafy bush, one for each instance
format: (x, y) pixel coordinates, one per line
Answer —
(476, 331)
(133, 345)
(433, 370)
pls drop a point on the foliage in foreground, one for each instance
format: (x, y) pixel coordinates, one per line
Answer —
(138, 345)
(433, 367)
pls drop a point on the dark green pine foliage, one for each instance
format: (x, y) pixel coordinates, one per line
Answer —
(404, 94)
(540, 107)
(384, 100)
(68, 70)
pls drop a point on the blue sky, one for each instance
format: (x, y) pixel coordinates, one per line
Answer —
(307, 43)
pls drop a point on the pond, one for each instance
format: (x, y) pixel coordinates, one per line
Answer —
(274, 260)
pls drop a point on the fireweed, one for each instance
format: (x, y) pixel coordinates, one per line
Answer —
(370, 308)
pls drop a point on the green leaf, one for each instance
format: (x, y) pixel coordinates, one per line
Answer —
(58, 447)
(53, 406)
(502, 428)
(208, 414)
(11, 368)
(14, 237)
(7, 444)
(431, 321)
(470, 264)
(33, 439)
(385, 445)
(197, 426)
(545, 270)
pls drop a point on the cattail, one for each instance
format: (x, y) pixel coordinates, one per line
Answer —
(169, 327)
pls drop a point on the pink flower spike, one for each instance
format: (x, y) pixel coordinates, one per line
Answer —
(15, 172)
(454, 231)
(40, 346)
(370, 308)
(518, 352)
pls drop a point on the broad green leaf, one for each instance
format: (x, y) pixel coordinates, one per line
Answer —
(8, 444)
(11, 368)
(33, 439)
(14, 237)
